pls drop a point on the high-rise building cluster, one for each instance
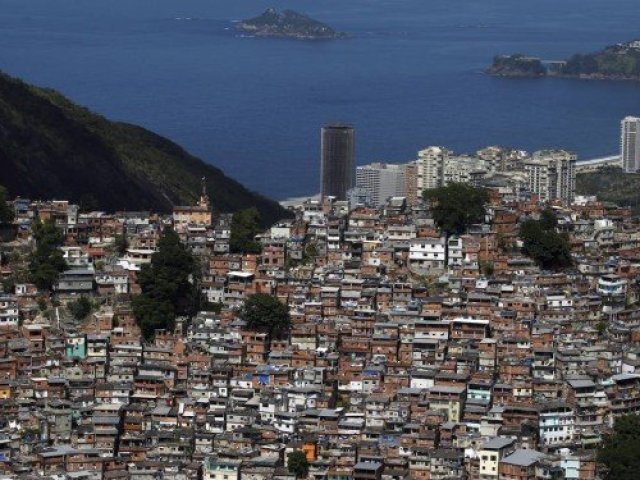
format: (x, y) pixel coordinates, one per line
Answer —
(548, 174)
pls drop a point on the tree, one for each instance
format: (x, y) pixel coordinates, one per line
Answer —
(245, 225)
(619, 453)
(343, 401)
(42, 304)
(168, 286)
(8, 285)
(6, 212)
(121, 244)
(601, 327)
(153, 314)
(455, 208)
(265, 313)
(214, 307)
(298, 464)
(88, 203)
(487, 268)
(47, 261)
(548, 219)
(80, 308)
(549, 248)
(309, 253)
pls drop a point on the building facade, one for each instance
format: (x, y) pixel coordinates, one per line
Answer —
(381, 181)
(438, 167)
(430, 163)
(411, 183)
(199, 214)
(337, 161)
(551, 174)
(630, 144)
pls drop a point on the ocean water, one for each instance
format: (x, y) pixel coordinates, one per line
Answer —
(411, 76)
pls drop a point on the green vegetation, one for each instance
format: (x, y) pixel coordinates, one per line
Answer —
(298, 464)
(288, 24)
(264, 313)
(245, 225)
(517, 64)
(168, 286)
(80, 308)
(543, 243)
(52, 147)
(487, 268)
(42, 304)
(611, 184)
(620, 451)
(548, 219)
(614, 61)
(6, 212)
(342, 401)
(214, 307)
(8, 285)
(47, 261)
(620, 61)
(121, 244)
(309, 252)
(457, 206)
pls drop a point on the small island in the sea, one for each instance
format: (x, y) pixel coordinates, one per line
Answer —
(616, 62)
(288, 24)
(517, 65)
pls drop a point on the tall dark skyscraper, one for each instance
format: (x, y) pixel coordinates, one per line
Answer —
(337, 169)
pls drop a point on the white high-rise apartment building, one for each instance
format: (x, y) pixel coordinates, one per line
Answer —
(438, 167)
(381, 181)
(538, 178)
(630, 144)
(431, 162)
(551, 175)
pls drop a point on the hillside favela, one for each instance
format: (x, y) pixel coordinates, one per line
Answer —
(467, 314)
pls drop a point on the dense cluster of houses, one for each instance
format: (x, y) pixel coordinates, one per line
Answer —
(409, 357)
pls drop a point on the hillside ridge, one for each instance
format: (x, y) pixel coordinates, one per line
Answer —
(51, 147)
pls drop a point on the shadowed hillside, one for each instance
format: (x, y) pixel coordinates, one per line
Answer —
(53, 148)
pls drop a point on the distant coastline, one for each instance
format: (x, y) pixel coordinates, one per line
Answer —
(615, 62)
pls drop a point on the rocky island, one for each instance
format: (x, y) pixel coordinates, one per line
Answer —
(615, 62)
(288, 24)
(517, 65)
